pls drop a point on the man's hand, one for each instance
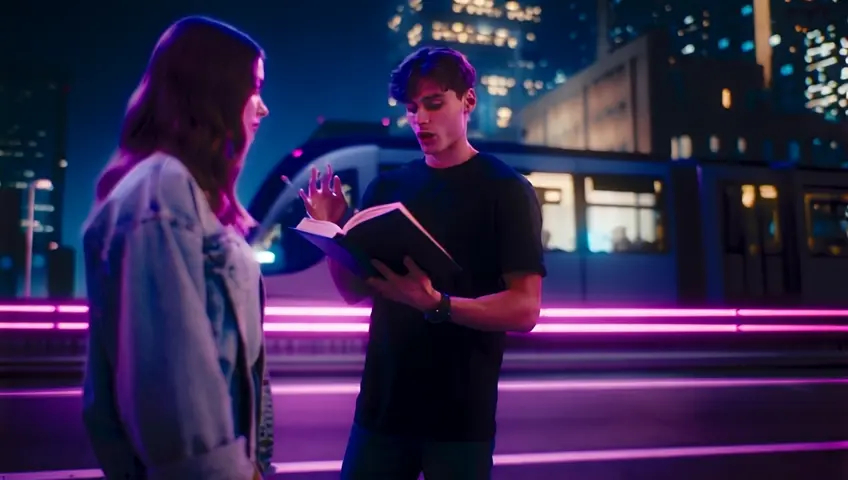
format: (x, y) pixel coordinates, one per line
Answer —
(413, 289)
(325, 200)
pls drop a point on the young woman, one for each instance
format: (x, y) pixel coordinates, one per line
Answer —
(176, 385)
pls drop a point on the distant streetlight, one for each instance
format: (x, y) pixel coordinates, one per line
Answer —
(40, 184)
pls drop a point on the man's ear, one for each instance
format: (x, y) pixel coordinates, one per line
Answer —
(470, 100)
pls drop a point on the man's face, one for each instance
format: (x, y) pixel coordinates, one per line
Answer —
(438, 117)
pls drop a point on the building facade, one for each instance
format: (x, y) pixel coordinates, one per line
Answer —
(33, 146)
(639, 98)
(500, 38)
(779, 35)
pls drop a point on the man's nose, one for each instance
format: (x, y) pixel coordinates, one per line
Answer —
(422, 117)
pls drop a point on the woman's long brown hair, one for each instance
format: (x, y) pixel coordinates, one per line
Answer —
(189, 104)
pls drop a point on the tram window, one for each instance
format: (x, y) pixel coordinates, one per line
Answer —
(827, 223)
(752, 219)
(624, 214)
(555, 192)
(281, 251)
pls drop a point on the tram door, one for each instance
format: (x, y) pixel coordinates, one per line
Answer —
(753, 247)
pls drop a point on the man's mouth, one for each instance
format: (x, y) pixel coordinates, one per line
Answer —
(426, 135)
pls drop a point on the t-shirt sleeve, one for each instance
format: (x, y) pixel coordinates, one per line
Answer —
(519, 227)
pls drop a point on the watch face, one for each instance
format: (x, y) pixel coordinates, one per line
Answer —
(436, 316)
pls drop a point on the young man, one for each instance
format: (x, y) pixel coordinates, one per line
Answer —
(429, 390)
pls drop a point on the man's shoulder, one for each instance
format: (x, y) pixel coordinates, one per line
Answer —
(505, 177)
(400, 171)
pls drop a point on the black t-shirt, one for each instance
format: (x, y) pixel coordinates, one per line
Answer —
(440, 381)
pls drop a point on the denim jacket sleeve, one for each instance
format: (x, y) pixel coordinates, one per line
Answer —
(173, 399)
(265, 450)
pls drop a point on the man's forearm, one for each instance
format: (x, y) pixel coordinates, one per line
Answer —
(507, 311)
(352, 288)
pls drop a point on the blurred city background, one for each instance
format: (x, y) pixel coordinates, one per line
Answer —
(689, 156)
(737, 80)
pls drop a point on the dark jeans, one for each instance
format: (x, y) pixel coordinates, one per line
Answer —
(373, 456)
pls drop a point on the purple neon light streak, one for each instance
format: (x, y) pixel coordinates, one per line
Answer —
(354, 319)
(342, 311)
(351, 388)
(519, 459)
(542, 328)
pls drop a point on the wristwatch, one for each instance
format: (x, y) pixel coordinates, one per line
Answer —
(442, 312)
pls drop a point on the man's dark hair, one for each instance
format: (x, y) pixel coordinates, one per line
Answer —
(445, 66)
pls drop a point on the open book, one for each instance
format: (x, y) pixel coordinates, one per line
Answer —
(387, 233)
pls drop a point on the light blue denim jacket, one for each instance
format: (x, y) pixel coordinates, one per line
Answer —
(176, 385)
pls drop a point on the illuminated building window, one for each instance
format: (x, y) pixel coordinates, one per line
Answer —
(715, 144)
(675, 148)
(787, 69)
(747, 10)
(726, 98)
(533, 87)
(504, 117)
(685, 146)
(741, 145)
(774, 40)
(794, 151)
(723, 43)
(414, 35)
(747, 46)
(497, 85)
(483, 8)
(486, 8)
(827, 81)
(688, 49)
(463, 33)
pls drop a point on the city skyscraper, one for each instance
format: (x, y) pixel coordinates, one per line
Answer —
(33, 142)
(771, 33)
(501, 39)
(816, 55)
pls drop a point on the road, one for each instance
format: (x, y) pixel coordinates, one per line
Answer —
(599, 429)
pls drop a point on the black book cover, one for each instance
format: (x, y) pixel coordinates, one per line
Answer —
(387, 237)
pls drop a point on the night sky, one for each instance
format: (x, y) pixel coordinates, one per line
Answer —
(325, 58)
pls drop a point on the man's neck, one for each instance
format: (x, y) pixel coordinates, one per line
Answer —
(456, 154)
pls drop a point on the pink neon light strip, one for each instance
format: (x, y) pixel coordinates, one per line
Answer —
(361, 314)
(515, 386)
(333, 311)
(517, 459)
(543, 328)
